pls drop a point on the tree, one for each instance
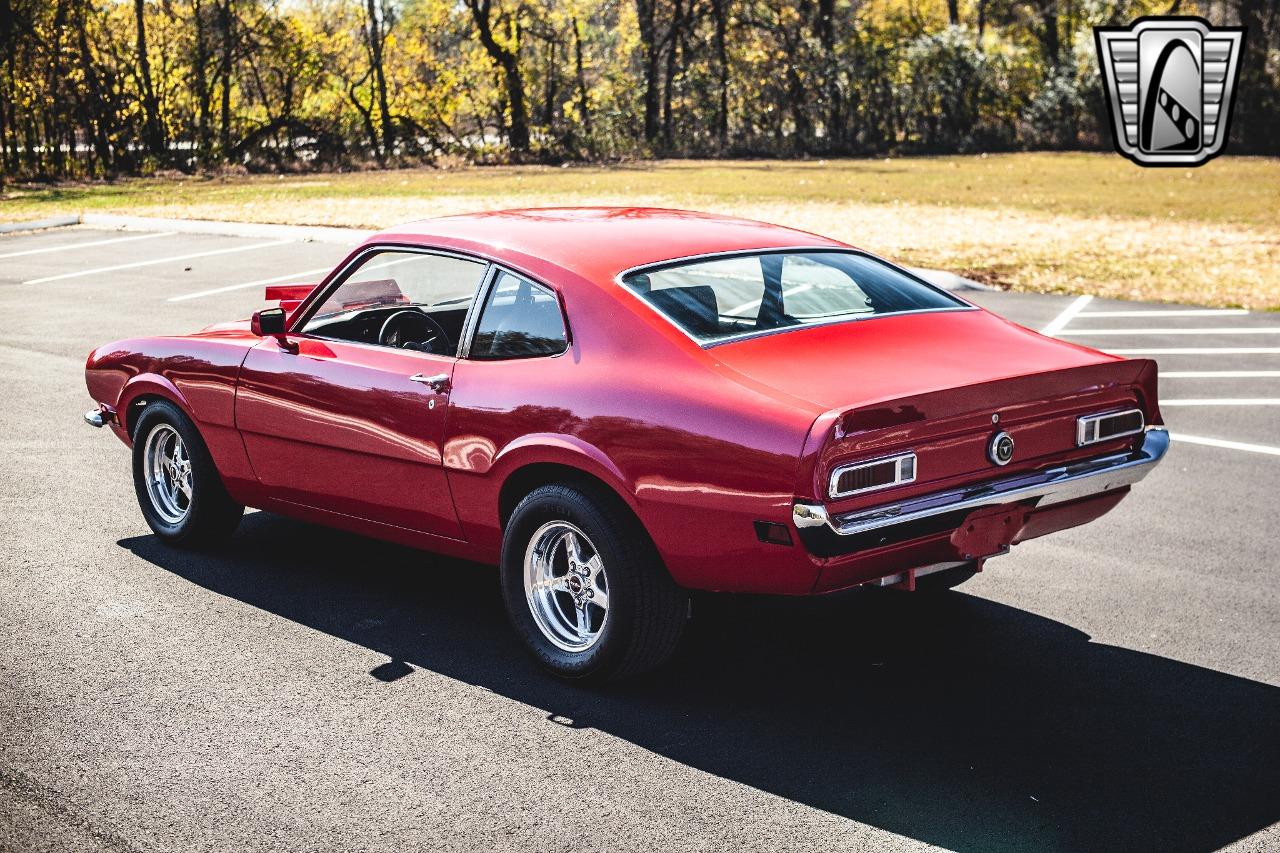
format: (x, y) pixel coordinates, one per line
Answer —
(507, 59)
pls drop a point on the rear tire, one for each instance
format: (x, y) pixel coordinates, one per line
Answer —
(179, 489)
(568, 550)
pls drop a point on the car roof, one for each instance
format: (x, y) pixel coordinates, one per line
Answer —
(598, 242)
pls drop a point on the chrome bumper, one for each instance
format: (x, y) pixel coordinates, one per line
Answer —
(1050, 486)
(95, 418)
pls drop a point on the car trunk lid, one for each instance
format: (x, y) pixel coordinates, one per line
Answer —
(939, 386)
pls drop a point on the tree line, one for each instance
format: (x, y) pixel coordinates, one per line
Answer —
(100, 88)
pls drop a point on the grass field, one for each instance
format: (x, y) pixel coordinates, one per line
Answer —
(1071, 223)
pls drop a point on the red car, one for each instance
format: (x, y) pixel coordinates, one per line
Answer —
(618, 406)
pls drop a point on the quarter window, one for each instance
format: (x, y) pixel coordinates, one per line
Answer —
(520, 320)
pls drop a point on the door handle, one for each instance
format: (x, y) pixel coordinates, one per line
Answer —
(439, 383)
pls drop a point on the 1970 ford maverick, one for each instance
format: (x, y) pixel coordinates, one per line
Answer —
(620, 405)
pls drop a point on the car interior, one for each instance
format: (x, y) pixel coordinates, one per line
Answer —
(519, 319)
(724, 297)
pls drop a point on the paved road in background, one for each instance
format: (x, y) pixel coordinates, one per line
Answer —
(1115, 687)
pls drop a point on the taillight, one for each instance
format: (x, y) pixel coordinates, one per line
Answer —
(1091, 429)
(872, 475)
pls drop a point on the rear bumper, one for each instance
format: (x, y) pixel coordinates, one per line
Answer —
(887, 524)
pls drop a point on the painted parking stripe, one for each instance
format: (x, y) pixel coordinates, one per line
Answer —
(296, 276)
(1197, 351)
(1175, 312)
(155, 261)
(1220, 374)
(1068, 314)
(1216, 330)
(88, 245)
(1222, 442)
(1223, 401)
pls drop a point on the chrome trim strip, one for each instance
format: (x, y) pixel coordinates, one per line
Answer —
(1083, 422)
(898, 458)
(964, 305)
(473, 310)
(1052, 485)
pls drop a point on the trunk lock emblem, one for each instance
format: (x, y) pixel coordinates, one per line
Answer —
(1000, 450)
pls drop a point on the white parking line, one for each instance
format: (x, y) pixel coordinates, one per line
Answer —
(297, 276)
(90, 244)
(1173, 312)
(1217, 330)
(1068, 314)
(1220, 374)
(155, 261)
(1197, 351)
(1223, 401)
(1229, 445)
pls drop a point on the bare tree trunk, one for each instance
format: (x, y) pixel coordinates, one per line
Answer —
(1258, 112)
(584, 106)
(509, 62)
(720, 18)
(376, 39)
(224, 72)
(203, 91)
(669, 72)
(1049, 37)
(153, 135)
(646, 18)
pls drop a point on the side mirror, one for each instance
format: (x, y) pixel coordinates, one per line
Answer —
(268, 321)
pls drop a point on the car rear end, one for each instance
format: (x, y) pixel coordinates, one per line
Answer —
(898, 489)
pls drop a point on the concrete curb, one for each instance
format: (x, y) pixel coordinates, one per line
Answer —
(949, 280)
(39, 224)
(302, 233)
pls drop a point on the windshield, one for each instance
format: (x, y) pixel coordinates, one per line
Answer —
(726, 297)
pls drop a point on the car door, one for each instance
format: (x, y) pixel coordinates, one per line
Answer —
(347, 415)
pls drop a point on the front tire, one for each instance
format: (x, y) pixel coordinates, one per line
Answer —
(584, 587)
(179, 489)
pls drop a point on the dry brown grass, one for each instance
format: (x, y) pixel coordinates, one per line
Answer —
(1053, 223)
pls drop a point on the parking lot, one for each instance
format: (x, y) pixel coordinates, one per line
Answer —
(1113, 687)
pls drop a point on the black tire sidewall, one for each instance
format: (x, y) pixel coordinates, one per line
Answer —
(208, 495)
(564, 503)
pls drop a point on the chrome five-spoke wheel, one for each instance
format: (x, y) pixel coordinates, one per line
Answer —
(168, 473)
(566, 586)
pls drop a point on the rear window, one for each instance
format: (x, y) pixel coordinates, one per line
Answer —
(721, 298)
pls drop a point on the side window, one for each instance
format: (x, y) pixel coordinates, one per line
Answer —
(520, 320)
(409, 300)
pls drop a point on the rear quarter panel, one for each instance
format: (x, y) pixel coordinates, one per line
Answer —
(697, 455)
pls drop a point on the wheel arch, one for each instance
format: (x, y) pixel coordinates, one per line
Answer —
(523, 480)
(143, 389)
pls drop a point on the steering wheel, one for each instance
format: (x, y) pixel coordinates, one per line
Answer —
(416, 330)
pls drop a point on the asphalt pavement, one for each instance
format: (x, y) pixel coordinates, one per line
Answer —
(1113, 687)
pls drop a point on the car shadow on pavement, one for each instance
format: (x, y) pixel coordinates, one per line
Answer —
(956, 721)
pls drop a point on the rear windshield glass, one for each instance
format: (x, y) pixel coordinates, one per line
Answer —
(727, 297)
